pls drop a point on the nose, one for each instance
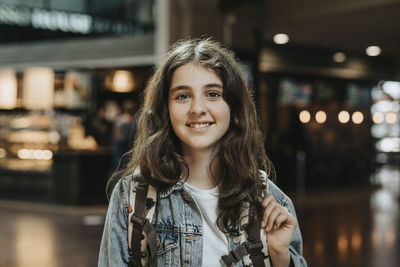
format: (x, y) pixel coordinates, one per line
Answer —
(198, 106)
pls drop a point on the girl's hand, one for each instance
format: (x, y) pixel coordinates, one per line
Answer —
(279, 225)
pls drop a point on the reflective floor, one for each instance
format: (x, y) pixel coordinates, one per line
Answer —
(353, 226)
(341, 227)
(33, 235)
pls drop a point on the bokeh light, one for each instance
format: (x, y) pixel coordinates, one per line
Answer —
(305, 116)
(357, 117)
(339, 57)
(320, 116)
(391, 118)
(373, 51)
(343, 116)
(281, 38)
(377, 118)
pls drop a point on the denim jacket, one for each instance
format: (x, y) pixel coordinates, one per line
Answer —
(178, 224)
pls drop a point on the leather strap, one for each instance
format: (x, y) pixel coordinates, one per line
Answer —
(254, 242)
(253, 231)
(138, 220)
(142, 225)
(253, 247)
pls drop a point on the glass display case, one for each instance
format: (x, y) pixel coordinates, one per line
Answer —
(56, 130)
(28, 141)
(36, 145)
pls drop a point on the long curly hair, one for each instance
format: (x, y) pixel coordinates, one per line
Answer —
(157, 151)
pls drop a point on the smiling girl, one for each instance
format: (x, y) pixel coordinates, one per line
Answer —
(200, 148)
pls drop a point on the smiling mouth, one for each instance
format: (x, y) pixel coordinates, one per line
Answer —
(199, 125)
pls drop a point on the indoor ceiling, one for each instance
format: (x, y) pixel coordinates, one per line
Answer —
(350, 31)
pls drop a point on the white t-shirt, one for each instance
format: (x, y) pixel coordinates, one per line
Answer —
(215, 242)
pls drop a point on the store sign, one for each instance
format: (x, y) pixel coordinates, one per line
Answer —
(62, 21)
(20, 16)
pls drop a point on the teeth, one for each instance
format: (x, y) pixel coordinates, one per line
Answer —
(199, 125)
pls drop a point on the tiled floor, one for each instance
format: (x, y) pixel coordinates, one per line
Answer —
(341, 227)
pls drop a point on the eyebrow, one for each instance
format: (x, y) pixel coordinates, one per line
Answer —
(184, 87)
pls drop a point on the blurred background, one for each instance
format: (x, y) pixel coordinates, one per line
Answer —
(326, 80)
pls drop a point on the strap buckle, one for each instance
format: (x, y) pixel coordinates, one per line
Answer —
(254, 247)
(236, 255)
(137, 221)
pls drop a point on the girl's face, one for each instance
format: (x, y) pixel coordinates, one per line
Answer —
(198, 113)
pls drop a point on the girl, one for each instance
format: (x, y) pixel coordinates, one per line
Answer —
(200, 146)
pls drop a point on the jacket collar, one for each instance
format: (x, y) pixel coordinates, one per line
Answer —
(166, 192)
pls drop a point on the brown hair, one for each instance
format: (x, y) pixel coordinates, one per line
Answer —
(240, 153)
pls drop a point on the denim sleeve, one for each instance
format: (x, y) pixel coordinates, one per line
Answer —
(114, 244)
(296, 246)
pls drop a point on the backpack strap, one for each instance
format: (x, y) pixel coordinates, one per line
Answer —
(253, 247)
(253, 236)
(251, 250)
(142, 237)
(248, 248)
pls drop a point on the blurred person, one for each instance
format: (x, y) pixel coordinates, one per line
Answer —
(198, 190)
(100, 128)
(123, 133)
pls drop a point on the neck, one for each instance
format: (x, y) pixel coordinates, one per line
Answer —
(199, 163)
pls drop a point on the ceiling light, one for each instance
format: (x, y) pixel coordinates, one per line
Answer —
(281, 38)
(343, 116)
(304, 116)
(377, 118)
(391, 118)
(373, 51)
(339, 57)
(357, 117)
(320, 116)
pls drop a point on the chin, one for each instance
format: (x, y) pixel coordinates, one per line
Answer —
(197, 146)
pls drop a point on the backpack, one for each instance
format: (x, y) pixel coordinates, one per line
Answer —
(142, 205)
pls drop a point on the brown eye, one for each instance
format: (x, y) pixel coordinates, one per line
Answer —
(182, 96)
(213, 94)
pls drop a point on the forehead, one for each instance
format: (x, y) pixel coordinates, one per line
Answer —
(192, 74)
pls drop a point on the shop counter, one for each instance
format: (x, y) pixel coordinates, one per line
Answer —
(73, 177)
